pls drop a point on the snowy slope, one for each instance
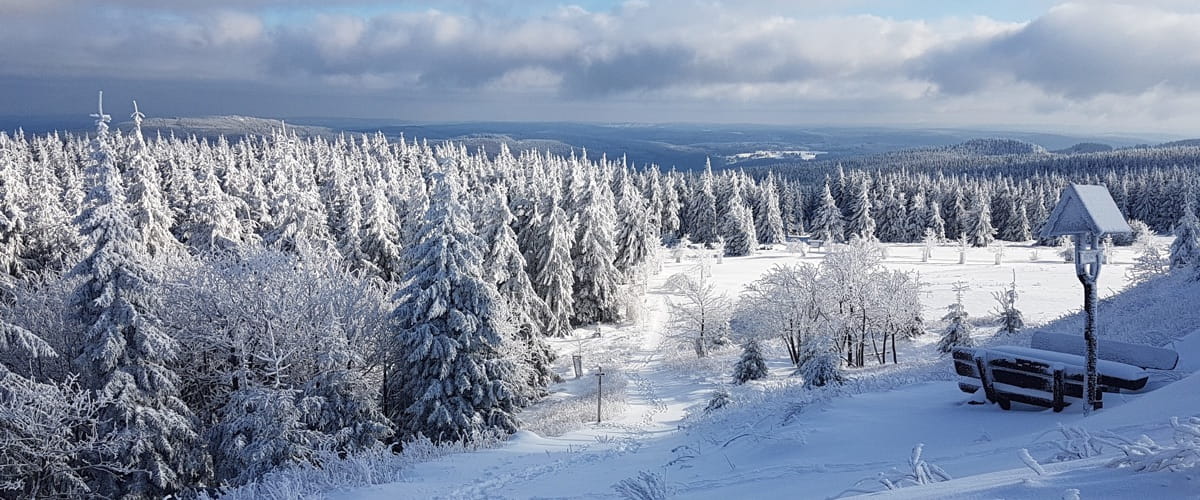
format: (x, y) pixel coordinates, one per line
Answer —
(779, 440)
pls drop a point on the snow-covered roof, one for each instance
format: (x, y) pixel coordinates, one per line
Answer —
(1085, 209)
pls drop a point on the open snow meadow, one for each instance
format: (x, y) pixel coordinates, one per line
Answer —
(776, 440)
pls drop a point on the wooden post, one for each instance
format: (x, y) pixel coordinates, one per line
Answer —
(599, 391)
(1059, 397)
(1087, 268)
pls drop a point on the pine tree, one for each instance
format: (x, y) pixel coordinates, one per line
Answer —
(13, 226)
(125, 352)
(450, 382)
(934, 221)
(505, 267)
(958, 332)
(827, 222)
(751, 366)
(596, 298)
(702, 210)
(980, 231)
(737, 229)
(1185, 250)
(148, 205)
(768, 223)
(636, 234)
(381, 237)
(1011, 319)
(859, 222)
(555, 279)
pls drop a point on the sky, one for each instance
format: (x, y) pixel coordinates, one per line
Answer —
(1035, 64)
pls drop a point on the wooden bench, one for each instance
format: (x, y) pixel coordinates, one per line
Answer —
(1051, 374)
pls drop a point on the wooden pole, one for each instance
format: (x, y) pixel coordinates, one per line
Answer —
(599, 391)
(1087, 268)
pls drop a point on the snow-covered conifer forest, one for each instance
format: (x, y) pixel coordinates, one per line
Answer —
(289, 316)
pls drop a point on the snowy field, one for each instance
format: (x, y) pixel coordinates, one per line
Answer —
(777, 439)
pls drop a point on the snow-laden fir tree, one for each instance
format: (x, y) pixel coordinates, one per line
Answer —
(13, 225)
(737, 228)
(751, 366)
(555, 279)
(151, 215)
(213, 225)
(451, 382)
(1185, 250)
(979, 231)
(827, 223)
(261, 428)
(768, 222)
(637, 236)
(505, 267)
(381, 236)
(1011, 319)
(671, 207)
(934, 220)
(126, 354)
(702, 217)
(596, 277)
(958, 332)
(859, 222)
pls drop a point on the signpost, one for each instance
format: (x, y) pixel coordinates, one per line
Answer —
(599, 390)
(1087, 213)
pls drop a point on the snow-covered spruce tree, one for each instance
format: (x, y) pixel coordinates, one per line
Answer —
(528, 313)
(827, 223)
(637, 236)
(859, 222)
(1185, 250)
(671, 206)
(702, 217)
(934, 220)
(1011, 319)
(958, 332)
(737, 228)
(451, 382)
(751, 366)
(555, 280)
(13, 226)
(213, 226)
(1149, 263)
(768, 223)
(596, 297)
(126, 354)
(148, 206)
(381, 236)
(979, 231)
(261, 428)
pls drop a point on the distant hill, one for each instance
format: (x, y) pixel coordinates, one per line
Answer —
(996, 147)
(1185, 142)
(1084, 147)
(229, 126)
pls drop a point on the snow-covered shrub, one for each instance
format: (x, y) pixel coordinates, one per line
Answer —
(1150, 263)
(1144, 455)
(751, 366)
(719, 399)
(1185, 250)
(821, 368)
(1076, 443)
(646, 486)
(259, 430)
(48, 444)
(1066, 249)
(1140, 231)
(920, 473)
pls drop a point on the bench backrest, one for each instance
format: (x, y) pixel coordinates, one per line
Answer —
(1143, 356)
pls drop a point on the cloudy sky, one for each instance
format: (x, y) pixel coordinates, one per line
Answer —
(1040, 64)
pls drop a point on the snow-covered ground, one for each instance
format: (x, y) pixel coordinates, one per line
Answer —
(779, 440)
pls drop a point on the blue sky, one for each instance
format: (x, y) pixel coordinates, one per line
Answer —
(1089, 64)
